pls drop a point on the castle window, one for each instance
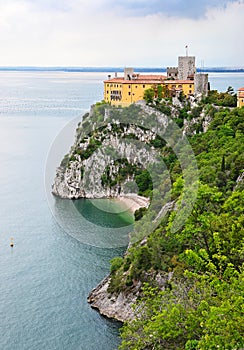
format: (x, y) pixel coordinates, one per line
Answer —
(190, 86)
(129, 93)
(136, 86)
(129, 86)
(107, 91)
(143, 86)
(189, 91)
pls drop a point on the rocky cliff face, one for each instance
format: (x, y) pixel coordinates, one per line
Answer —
(84, 178)
(106, 156)
(111, 146)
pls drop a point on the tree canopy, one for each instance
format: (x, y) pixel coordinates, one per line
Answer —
(201, 306)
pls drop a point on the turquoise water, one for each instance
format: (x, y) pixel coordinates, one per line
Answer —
(46, 277)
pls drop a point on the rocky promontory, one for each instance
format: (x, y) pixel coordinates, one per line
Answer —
(116, 154)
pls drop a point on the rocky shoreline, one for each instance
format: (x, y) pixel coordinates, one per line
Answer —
(118, 307)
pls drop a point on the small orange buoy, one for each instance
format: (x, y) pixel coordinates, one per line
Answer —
(11, 242)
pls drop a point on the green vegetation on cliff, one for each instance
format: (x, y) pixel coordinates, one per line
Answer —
(190, 282)
(199, 303)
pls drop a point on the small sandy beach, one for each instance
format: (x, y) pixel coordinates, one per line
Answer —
(133, 202)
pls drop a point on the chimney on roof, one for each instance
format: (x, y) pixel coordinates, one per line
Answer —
(116, 74)
(135, 76)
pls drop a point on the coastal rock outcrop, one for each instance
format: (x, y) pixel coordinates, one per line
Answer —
(120, 306)
(112, 145)
(114, 306)
(85, 178)
(110, 149)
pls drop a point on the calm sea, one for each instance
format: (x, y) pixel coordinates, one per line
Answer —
(46, 277)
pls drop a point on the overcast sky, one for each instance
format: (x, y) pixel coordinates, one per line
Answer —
(120, 32)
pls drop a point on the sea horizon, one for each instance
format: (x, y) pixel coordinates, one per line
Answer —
(113, 69)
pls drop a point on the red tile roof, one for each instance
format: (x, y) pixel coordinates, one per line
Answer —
(152, 77)
(114, 80)
(137, 81)
(142, 79)
(241, 89)
(147, 79)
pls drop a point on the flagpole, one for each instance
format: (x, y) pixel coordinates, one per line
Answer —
(186, 50)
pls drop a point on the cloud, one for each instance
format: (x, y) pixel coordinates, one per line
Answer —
(176, 8)
(85, 33)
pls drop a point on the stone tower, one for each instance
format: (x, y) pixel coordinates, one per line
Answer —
(128, 72)
(201, 84)
(186, 67)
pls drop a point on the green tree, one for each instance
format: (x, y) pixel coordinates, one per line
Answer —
(144, 181)
(149, 95)
(115, 264)
(159, 92)
(202, 313)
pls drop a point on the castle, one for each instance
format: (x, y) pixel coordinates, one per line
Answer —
(122, 91)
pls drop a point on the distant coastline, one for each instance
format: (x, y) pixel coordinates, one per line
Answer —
(114, 69)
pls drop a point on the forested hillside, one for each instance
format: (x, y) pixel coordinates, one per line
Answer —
(187, 281)
(191, 282)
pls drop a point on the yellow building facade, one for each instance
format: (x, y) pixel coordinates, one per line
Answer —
(123, 92)
(240, 97)
(120, 91)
